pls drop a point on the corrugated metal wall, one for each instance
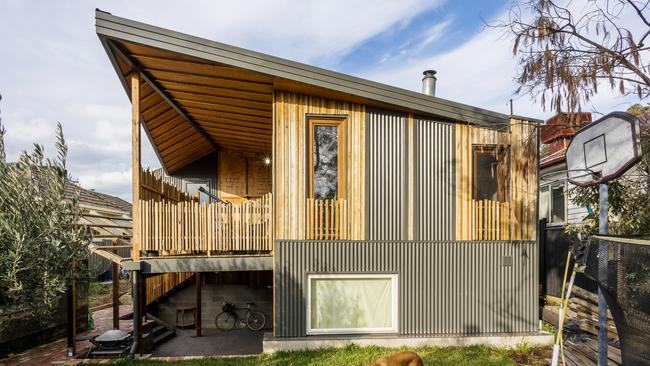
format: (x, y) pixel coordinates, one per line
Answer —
(386, 175)
(200, 171)
(98, 264)
(445, 287)
(435, 184)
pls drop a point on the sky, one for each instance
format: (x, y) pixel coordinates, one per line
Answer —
(53, 68)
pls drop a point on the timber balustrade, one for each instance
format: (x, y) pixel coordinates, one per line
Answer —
(327, 219)
(491, 220)
(153, 188)
(187, 227)
(157, 286)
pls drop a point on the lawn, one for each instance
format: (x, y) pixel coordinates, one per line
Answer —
(354, 355)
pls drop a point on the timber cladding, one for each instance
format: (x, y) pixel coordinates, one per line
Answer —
(444, 287)
(290, 151)
(516, 149)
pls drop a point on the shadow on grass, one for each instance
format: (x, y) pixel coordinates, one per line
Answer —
(361, 356)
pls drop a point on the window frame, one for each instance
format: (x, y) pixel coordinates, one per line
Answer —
(484, 150)
(549, 214)
(198, 182)
(341, 123)
(394, 278)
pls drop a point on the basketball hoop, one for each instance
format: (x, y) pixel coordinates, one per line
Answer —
(607, 148)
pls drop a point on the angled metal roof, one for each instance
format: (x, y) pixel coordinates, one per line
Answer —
(113, 27)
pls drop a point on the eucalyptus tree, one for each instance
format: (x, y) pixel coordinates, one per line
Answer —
(568, 50)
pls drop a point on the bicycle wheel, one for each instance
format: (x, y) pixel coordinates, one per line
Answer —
(255, 320)
(225, 321)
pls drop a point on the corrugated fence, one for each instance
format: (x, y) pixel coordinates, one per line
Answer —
(445, 287)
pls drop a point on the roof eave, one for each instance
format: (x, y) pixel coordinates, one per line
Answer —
(112, 27)
(112, 57)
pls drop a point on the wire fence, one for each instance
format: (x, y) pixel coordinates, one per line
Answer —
(627, 290)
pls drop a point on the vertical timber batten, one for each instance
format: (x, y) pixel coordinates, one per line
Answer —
(290, 165)
(523, 180)
(135, 159)
(520, 179)
(463, 165)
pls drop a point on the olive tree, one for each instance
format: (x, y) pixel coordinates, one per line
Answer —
(38, 233)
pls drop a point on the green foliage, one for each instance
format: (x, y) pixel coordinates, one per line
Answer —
(566, 52)
(38, 232)
(629, 195)
(361, 356)
(549, 328)
(629, 214)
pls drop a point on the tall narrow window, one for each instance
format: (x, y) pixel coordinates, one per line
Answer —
(326, 158)
(553, 203)
(558, 204)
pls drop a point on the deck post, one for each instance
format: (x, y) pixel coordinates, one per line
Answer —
(198, 304)
(72, 312)
(136, 277)
(116, 296)
(135, 169)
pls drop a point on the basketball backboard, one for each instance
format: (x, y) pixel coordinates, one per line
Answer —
(604, 149)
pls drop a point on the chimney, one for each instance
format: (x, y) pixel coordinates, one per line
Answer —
(429, 82)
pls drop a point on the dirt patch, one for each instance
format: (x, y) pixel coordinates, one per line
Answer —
(534, 356)
(101, 292)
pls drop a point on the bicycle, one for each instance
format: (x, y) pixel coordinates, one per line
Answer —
(226, 320)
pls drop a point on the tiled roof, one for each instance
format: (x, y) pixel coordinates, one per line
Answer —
(93, 198)
(552, 158)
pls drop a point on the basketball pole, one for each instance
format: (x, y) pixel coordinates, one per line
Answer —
(602, 273)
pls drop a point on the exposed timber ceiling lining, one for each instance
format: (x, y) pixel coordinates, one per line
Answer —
(230, 107)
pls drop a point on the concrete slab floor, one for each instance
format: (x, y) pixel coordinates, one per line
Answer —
(213, 343)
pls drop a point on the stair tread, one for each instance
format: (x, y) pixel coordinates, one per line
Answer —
(159, 329)
(163, 337)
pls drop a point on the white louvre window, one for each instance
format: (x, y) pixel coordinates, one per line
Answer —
(352, 303)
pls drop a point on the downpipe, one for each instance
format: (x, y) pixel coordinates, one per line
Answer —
(135, 291)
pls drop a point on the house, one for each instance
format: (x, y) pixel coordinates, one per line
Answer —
(108, 217)
(554, 200)
(556, 208)
(375, 210)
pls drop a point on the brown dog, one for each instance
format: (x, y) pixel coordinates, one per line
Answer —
(399, 359)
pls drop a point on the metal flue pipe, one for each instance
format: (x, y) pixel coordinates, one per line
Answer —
(429, 82)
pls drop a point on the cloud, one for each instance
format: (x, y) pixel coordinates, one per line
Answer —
(118, 182)
(312, 31)
(60, 73)
(480, 72)
(54, 68)
(477, 72)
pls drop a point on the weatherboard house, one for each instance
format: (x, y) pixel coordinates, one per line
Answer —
(367, 210)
